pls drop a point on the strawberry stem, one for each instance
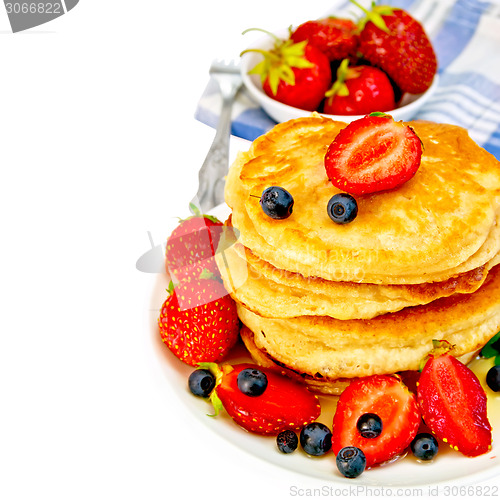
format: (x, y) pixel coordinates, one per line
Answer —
(216, 403)
(364, 9)
(343, 73)
(374, 15)
(218, 374)
(195, 210)
(279, 60)
(265, 53)
(276, 38)
(439, 348)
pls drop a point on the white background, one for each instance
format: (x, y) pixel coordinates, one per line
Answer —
(98, 146)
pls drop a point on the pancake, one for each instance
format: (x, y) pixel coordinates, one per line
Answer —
(278, 293)
(316, 383)
(329, 349)
(443, 222)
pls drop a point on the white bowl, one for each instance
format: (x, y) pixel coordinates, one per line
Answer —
(407, 109)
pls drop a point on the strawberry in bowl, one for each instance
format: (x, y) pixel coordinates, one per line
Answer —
(359, 90)
(295, 74)
(389, 41)
(394, 41)
(336, 37)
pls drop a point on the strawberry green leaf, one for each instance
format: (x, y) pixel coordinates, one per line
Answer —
(278, 62)
(197, 213)
(212, 367)
(214, 398)
(374, 15)
(212, 218)
(194, 209)
(286, 74)
(293, 55)
(216, 403)
(492, 348)
(261, 69)
(439, 347)
(343, 73)
(274, 80)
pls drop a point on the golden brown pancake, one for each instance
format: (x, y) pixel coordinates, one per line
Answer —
(334, 349)
(441, 223)
(316, 383)
(278, 293)
(327, 303)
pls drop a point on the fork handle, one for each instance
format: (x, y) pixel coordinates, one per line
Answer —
(211, 175)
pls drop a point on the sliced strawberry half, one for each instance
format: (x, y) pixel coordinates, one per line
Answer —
(374, 153)
(387, 397)
(284, 404)
(453, 403)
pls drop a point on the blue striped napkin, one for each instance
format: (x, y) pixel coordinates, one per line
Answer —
(466, 38)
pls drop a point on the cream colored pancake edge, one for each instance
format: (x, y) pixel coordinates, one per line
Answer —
(385, 344)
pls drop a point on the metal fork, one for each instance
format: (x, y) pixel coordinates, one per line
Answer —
(211, 175)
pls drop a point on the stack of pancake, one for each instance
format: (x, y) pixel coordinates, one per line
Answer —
(327, 303)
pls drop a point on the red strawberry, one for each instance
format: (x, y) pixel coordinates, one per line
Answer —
(359, 90)
(410, 379)
(453, 403)
(284, 404)
(198, 321)
(334, 36)
(296, 74)
(387, 397)
(394, 41)
(373, 154)
(192, 245)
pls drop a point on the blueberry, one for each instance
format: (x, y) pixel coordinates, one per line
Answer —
(493, 378)
(201, 382)
(316, 438)
(342, 208)
(276, 202)
(424, 446)
(252, 382)
(369, 425)
(351, 461)
(287, 441)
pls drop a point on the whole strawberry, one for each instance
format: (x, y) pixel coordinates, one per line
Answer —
(192, 245)
(198, 321)
(261, 400)
(296, 74)
(453, 402)
(393, 40)
(359, 90)
(336, 37)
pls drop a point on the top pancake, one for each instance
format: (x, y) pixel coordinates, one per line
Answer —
(442, 222)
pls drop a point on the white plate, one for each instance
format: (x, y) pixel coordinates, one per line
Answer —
(449, 467)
